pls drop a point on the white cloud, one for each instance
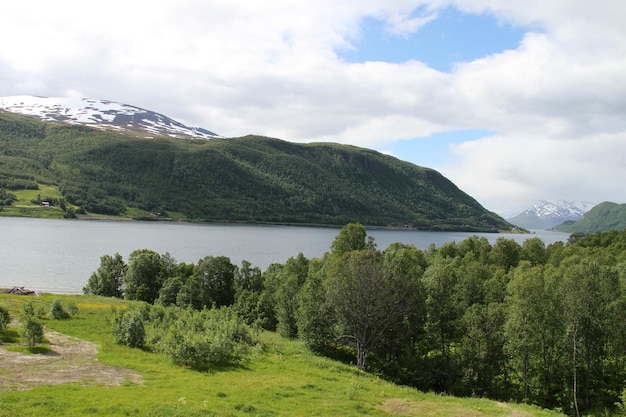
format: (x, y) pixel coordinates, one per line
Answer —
(236, 67)
(514, 171)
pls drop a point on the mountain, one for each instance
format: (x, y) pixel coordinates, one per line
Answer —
(102, 114)
(548, 214)
(247, 179)
(601, 218)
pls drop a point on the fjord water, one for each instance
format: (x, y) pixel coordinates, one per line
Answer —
(58, 256)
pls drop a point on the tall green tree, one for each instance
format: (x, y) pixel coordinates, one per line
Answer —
(443, 315)
(267, 300)
(212, 284)
(367, 302)
(534, 251)
(292, 278)
(144, 276)
(108, 280)
(316, 323)
(482, 357)
(351, 237)
(248, 290)
(589, 289)
(505, 253)
(534, 332)
(404, 264)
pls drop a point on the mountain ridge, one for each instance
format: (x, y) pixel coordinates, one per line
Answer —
(601, 218)
(102, 114)
(249, 179)
(546, 214)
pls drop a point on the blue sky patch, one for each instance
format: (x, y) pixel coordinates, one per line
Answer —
(450, 38)
(433, 151)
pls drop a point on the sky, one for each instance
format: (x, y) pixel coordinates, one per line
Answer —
(514, 101)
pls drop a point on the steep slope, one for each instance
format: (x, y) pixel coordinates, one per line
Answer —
(102, 114)
(548, 214)
(249, 179)
(602, 218)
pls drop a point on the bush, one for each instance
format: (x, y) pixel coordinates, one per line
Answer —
(5, 318)
(28, 310)
(128, 328)
(57, 312)
(200, 339)
(32, 331)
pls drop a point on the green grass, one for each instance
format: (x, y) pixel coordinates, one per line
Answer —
(278, 378)
(24, 207)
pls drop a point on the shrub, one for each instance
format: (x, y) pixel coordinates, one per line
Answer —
(57, 312)
(200, 339)
(5, 318)
(72, 309)
(32, 331)
(128, 328)
(28, 310)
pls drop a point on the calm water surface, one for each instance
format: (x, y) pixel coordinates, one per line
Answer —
(59, 255)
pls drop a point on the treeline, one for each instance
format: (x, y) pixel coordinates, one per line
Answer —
(248, 179)
(528, 323)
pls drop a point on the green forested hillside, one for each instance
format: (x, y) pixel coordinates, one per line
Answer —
(250, 179)
(601, 218)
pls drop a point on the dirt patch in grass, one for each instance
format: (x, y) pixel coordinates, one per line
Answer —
(403, 407)
(69, 360)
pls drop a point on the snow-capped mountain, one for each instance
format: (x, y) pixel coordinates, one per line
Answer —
(102, 114)
(548, 214)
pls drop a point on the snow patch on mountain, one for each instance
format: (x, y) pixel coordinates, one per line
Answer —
(101, 114)
(546, 214)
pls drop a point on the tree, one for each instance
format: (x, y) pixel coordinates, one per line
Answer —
(267, 299)
(481, 349)
(589, 290)
(32, 331)
(534, 251)
(216, 276)
(505, 253)
(534, 331)
(6, 198)
(316, 325)
(57, 312)
(5, 317)
(248, 278)
(367, 301)
(248, 290)
(128, 328)
(144, 276)
(292, 277)
(443, 314)
(108, 280)
(406, 264)
(351, 237)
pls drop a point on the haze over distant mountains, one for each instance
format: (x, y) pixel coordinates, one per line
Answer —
(102, 114)
(546, 214)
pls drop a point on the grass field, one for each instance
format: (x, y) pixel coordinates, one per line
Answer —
(278, 378)
(24, 207)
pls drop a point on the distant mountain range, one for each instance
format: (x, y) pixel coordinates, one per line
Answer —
(96, 157)
(546, 214)
(102, 114)
(601, 218)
